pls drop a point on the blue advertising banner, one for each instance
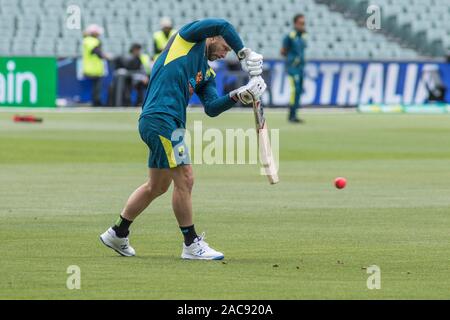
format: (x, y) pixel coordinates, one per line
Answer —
(353, 83)
(326, 83)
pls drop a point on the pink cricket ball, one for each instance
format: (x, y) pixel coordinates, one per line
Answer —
(340, 183)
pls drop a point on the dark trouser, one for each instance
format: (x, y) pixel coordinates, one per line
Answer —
(140, 87)
(124, 82)
(296, 85)
(96, 90)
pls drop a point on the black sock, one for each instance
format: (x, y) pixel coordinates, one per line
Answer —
(189, 234)
(121, 227)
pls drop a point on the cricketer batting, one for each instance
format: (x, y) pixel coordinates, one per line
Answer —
(181, 70)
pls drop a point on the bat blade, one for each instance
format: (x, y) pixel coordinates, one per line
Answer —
(265, 150)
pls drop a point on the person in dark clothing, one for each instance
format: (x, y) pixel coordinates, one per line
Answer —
(435, 86)
(131, 73)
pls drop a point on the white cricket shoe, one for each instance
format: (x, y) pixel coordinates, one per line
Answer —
(200, 250)
(120, 245)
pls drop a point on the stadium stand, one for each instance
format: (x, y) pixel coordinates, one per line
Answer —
(38, 27)
(421, 25)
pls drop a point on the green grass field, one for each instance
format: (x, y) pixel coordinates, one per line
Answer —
(63, 182)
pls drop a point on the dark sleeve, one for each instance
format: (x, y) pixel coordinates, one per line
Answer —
(98, 51)
(287, 43)
(214, 105)
(156, 50)
(201, 29)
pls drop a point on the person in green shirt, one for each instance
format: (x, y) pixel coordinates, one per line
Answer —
(293, 48)
(182, 70)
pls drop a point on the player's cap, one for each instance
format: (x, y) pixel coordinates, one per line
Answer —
(93, 29)
(165, 22)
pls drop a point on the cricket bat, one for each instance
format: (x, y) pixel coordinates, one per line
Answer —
(266, 158)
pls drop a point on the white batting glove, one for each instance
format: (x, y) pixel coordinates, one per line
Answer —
(251, 62)
(251, 92)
